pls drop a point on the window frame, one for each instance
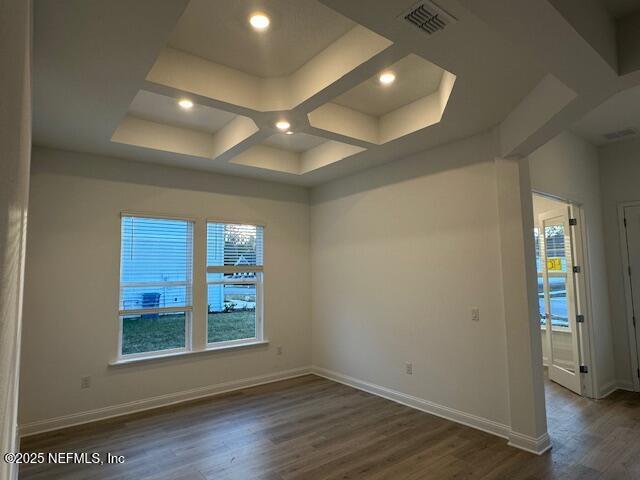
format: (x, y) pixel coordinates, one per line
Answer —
(187, 310)
(258, 282)
(196, 340)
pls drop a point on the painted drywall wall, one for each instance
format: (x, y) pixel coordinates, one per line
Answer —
(400, 255)
(542, 205)
(619, 174)
(15, 152)
(567, 167)
(72, 273)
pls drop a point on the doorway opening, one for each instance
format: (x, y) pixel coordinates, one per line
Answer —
(629, 214)
(562, 293)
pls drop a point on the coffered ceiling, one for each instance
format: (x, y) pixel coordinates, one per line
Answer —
(415, 78)
(162, 109)
(109, 78)
(218, 31)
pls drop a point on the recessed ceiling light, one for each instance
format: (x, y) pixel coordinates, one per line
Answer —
(283, 125)
(387, 78)
(259, 21)
(186, 103)
(289, 132)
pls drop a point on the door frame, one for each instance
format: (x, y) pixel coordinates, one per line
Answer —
(571, 379)
(628, 296)
(582, 291)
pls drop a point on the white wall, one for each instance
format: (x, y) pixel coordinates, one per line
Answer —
(15, 147)
(542, 205)
(400, 255)
(71, 293)
(620, 182)
(567, 167)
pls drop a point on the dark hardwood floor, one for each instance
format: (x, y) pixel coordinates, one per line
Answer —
(311, 428)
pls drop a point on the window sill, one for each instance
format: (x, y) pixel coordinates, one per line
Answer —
(151, 358)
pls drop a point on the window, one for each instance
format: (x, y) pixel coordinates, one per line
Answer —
(156, 258)
(156, 286)
(234, 283)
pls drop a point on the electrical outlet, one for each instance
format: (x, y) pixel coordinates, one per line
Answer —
(475, 314)
(85, 382)
(408, 368)
(279, 350)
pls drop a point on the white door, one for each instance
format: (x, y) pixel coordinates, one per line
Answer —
(632, 227)
(560, 299)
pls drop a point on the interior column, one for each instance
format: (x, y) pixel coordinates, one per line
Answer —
(519, 288)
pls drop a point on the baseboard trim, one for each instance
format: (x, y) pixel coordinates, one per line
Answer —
(530, 444)
(628, 386)
(611, 387)
(534, 445)
(74, 419)
(447, 413)
(608, 389)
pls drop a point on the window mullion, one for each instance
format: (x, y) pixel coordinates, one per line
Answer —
(198, 317)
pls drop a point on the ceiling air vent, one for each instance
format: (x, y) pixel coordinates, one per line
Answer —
(618, 134)
(428, 17)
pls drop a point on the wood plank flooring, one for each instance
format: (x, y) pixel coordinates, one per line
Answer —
(311, 428)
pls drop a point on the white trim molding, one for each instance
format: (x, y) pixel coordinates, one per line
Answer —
(626, 385)
(112, 411)
(442, 411)
(530, 444)
(523, 442)
(609, 388)
(618, 385)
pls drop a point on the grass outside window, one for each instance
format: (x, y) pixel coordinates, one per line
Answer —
(167, 331)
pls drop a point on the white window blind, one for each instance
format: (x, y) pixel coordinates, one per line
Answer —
(234, 247)
(234, 283)
(155, 264)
